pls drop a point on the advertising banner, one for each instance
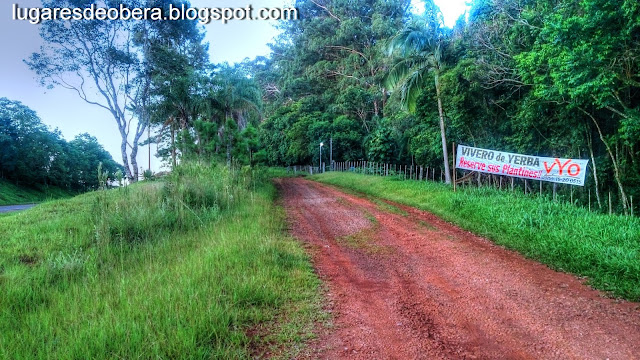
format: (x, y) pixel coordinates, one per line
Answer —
(564, 171)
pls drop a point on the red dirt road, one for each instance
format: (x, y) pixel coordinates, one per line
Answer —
(407, 285)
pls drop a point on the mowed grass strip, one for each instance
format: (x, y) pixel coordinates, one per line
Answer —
(11, 194)
(605, 249)
(77, 285)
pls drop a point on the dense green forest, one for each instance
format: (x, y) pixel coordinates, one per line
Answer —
(33, 156)
(552, 78)
(549, 78)
(383, 83)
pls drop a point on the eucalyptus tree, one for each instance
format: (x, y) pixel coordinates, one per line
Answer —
(419, 49)
(111, 63)
(98, 61)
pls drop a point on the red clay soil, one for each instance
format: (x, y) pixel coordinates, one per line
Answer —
(407, 285)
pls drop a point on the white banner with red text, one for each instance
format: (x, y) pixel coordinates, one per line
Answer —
(564, 171)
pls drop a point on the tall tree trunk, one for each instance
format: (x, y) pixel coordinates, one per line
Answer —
(228, 136)
(134, 148)
(445, 154)
(594, 168)
(125, 158)
(149, 140)
(173, 146)
(616, 170)
(134, 162)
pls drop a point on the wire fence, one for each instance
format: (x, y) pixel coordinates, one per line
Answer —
(583, 196)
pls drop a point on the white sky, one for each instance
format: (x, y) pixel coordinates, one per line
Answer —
(60, 108)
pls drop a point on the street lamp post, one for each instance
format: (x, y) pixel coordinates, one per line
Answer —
(320, 168)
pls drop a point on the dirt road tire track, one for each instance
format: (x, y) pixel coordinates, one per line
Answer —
(407, 285)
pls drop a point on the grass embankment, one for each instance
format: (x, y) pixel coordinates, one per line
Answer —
(189, 267)
(604, 248)
(10, 194)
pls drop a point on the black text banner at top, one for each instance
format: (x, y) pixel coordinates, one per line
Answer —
(558, 170)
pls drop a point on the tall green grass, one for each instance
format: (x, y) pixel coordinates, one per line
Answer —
(604, 248)
(11, 194)
(188, 267)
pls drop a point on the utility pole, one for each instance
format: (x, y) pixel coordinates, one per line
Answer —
(331, 153)
(149, 140)
(320, 164)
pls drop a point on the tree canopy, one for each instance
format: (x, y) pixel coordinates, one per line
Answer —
(32, 154)
(550, 78)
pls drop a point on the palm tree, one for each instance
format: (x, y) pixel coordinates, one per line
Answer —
(420, 46)
(232, 95)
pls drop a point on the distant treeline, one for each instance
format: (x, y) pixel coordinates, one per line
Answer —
(31, 154)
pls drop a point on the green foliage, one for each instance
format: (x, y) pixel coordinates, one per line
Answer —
(87, 154)
(103, 177)
(327, 68)
(347, 134)
(546, 78)
(382, 145)
(148, 175)
(33, 156)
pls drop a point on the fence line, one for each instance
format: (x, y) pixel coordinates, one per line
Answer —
(425, 173)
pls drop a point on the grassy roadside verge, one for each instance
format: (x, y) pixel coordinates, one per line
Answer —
(182, 269)
(11, 194)
(606, 249)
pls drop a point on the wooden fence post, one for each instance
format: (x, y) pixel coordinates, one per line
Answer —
(610, 207)
(571, 196)
(540, 188)
(453, 159)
